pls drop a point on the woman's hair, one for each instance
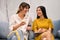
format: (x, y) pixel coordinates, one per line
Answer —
(43, 11)
(22, 6)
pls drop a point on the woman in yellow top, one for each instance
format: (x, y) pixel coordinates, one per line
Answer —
(42, 25)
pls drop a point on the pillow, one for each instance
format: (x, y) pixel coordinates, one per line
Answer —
(58, 34)
(56, 24)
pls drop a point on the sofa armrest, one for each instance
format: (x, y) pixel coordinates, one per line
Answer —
(58, 33)
(31, 35)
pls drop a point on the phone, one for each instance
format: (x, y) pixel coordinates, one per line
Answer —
(29, 25)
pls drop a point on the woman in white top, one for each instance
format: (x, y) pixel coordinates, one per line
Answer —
(20, 21)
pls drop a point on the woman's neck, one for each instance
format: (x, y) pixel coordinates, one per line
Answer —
(42, 17)
(21, 15)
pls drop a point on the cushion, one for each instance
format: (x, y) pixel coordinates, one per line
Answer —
(31, 35)
(58, 34)
(56, 27)
(4, 29)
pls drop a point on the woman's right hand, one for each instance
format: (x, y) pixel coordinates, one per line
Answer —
(22, 23)
(18, 25)
(41, 30)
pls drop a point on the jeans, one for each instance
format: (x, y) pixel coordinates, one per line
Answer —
(13, 36)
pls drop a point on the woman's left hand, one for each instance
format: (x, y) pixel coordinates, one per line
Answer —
(48, 32)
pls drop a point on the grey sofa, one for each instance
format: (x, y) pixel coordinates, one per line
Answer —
(4, 30)
(56, 30)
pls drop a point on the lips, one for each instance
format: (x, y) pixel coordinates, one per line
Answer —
(39, 13)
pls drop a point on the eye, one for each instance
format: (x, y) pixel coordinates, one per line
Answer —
(38, 10)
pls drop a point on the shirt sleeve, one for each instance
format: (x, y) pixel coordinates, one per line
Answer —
(34, 26)
(12, 23)
(50, 24)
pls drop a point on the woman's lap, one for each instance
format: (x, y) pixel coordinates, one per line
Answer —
(43, 35)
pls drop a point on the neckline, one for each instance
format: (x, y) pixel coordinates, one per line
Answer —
(42, 19)
(20, 17)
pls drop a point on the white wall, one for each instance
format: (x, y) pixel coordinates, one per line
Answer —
(52, 7)
(3, 12)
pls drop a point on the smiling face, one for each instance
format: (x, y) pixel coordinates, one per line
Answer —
(25, 10)
(39, 12)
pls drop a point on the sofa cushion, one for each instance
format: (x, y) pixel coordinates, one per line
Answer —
(58, 34)
(4, 30)
(56, 27)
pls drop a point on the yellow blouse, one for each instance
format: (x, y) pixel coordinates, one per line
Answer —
(42, 23)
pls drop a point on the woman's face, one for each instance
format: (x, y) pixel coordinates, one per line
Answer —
(39, 12)
(25, 10)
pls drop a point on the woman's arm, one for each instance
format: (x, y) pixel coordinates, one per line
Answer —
(18, 25)
(49, 30)
(41, 30)
(34, 26)
(13, 25)
(50, 25)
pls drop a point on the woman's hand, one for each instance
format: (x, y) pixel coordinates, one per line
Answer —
(41, 30)
(44, 30)
(18, 25)
(49, 31)
(22, 23)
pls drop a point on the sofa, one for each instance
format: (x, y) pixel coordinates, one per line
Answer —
(4, 30)
(56, 30)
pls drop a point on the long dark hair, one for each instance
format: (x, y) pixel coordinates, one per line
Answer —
(43, 11)
(22, 6)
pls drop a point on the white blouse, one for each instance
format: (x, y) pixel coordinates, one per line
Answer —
(15, 19)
